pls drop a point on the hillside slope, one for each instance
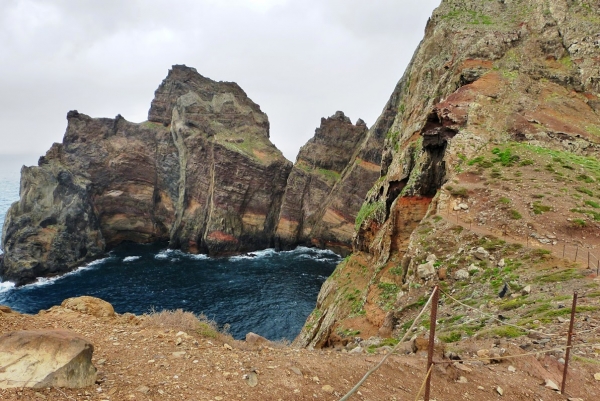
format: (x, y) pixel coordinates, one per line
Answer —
(496, 122)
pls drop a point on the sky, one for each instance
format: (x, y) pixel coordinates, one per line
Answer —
(300, 60)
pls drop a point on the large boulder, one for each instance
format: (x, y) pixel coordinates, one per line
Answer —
(45, 358)
(89, 305)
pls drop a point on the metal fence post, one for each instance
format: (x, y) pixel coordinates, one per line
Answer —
(569, 337)
(432, 319)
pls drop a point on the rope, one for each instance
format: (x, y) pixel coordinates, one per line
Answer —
(424, 381)
(498, 320)
(478, 359)
(372, 370)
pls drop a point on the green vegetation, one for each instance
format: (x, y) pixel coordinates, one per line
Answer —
(505, 157)
(515, 215)
(563, 275)
(504, 200)
(526, 162)
(593, 129)
(388, 294)
(462, 192)
(585, 191)
(585, 178)
(538, 208)
(566, 61)
(330, 174)
(366, 211)
(470, 17)
(508, 332)
(593, 214)
(451, 337)
(593, 204)
(397, 271)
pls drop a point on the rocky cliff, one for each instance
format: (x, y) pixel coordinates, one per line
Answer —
(201, 174)
(327, 186)
(491, 83)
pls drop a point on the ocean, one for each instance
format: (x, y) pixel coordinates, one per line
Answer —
(267, 292)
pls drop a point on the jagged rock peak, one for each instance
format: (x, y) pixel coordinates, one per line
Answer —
(207, 99)
(312, 212)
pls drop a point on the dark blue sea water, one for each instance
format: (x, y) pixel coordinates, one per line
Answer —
(270, 293)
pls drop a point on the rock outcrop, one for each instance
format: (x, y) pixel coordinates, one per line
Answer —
(45, 358)
(485, 73)
(89, 306)
(312, 213)
(201, 173)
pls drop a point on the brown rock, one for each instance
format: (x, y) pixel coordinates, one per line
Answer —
(252, 338)
(90, 306)
(317, 208)
(6, 309)
(200, 173)
(45, 358)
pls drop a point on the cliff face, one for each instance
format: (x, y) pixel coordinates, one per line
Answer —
(201, 173)
(485, 74)
(311, 213)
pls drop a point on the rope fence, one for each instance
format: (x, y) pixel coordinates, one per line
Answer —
(433, 302)
(560, 248)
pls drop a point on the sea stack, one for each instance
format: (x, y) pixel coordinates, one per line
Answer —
(201, 173)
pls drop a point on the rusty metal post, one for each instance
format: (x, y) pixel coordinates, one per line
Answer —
(569, 337)
(576, 253)
(588, 259)
(564, 248)
(434, 306)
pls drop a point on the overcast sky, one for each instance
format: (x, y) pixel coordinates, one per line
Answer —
(300, 60)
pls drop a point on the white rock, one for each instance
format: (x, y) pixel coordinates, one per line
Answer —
(526, 290)
(473, 268)
(481, 253)
(356, 350)
(512, 369)
(597, 376)
(501, 263)
(461, 274)
(426, 270)
(462, 379)
(431, 257)
(551, 385)
(499, 390)
(463, 206)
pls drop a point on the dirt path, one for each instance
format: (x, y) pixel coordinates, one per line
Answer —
(136, 363)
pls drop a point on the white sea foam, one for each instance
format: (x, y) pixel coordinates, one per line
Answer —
(131, 258)
(6, 286)
(175, 255)
(305, 250)
(265, 253)
(166, 254)
(43, 281)
(198, 256)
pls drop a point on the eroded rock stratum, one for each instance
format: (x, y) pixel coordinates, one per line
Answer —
(201, 173)
(487, 73)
